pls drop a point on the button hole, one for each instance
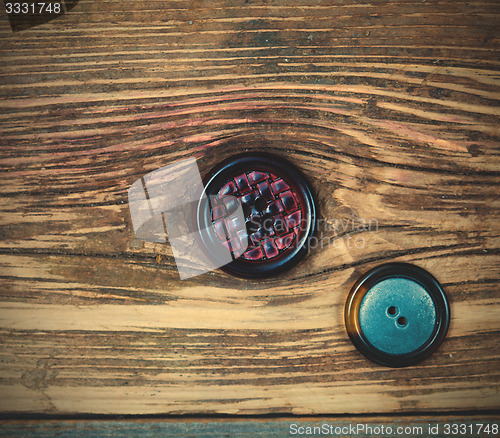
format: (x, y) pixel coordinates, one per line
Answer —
(402, 321)
(392, 311)
(260, 204)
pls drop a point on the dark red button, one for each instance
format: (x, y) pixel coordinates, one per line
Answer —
(278, 208)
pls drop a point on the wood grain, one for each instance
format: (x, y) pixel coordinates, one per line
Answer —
(390, 109)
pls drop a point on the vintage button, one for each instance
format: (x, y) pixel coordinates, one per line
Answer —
(278, 207)
(397, 314)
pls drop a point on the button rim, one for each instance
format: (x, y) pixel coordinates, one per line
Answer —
(370, 279)
(243, 161)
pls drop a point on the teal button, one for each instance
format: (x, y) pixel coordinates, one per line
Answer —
(397, 316)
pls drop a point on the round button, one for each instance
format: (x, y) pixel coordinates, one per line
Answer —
(397, 314)
(278, 214)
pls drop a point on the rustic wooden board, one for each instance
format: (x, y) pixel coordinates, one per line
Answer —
(389, 427)
(390, 108)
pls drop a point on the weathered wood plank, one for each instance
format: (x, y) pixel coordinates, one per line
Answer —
(390, 108)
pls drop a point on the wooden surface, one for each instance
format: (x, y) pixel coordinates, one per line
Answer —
(390, 108)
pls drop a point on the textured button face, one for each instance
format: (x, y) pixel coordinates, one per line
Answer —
(278, 207)
(397, 314)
